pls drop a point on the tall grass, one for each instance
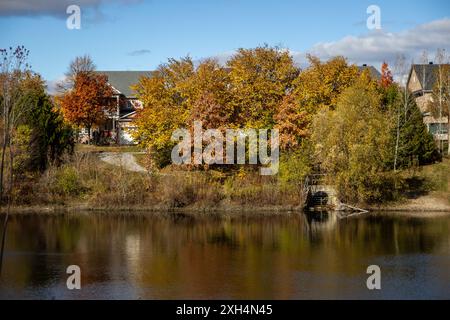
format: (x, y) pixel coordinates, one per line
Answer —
(85, 179)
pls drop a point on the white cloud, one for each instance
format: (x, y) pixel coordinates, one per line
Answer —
(52, 87)
(376, 47)
(373, 48)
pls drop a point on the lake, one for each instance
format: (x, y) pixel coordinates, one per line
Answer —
(259, 256)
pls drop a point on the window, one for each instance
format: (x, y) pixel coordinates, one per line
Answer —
(434, 128)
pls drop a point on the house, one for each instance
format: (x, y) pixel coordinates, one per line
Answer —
(119, 124)
(421, 81)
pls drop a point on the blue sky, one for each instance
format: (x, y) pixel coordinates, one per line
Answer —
(139, 35)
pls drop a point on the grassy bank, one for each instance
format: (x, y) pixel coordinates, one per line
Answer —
(86, 182)
(437, 177)
(426, 188)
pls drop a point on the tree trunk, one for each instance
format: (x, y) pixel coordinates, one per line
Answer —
(397, 141)
(448, 133)
(89, 134)
(11, 170)
(2, 164)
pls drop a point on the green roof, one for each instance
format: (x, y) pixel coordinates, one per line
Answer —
(123, 80)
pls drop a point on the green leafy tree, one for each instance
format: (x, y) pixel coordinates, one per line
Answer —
(354, 143)
(296, 164)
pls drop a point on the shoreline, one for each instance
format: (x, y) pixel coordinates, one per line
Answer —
(425, 203)
(151, 209)
(409, 208)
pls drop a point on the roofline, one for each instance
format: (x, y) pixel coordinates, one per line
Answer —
(133, 96)
(409, 77)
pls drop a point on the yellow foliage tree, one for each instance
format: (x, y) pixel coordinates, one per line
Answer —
(322, 82)
(167, 98)
(260, 78)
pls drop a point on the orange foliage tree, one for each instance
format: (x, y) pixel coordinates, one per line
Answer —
(386, 76)
(292, 123)
(89, 102)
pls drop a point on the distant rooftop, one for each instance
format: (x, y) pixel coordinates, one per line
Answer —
(374, 73)
(123, 80)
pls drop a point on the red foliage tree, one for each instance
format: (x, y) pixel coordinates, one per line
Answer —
(386, 76)
(89, 102)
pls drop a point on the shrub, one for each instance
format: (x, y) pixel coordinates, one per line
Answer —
(68, 182)
(295, 165)
(255, 190)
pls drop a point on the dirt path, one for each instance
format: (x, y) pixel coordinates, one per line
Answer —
(122, 159)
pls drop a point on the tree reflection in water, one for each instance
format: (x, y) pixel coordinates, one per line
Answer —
(281, 256)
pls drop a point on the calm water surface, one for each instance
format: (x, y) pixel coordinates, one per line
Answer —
(288, 256)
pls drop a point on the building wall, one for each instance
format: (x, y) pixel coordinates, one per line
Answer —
(125, 137)
(432, 122)
(423, 101)
(414, 84)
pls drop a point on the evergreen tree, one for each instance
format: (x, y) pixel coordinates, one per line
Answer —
(49, 136)
(416, 145)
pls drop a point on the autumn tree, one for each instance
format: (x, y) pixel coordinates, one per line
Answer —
(14, 70)
(321, 84)
(386, 76)
(167, 96)
(81, 64)
(211, 97)
(353, 144)
(27, 115)
(213, 114)
(88, 102)
(292, 122)
(260, 78)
